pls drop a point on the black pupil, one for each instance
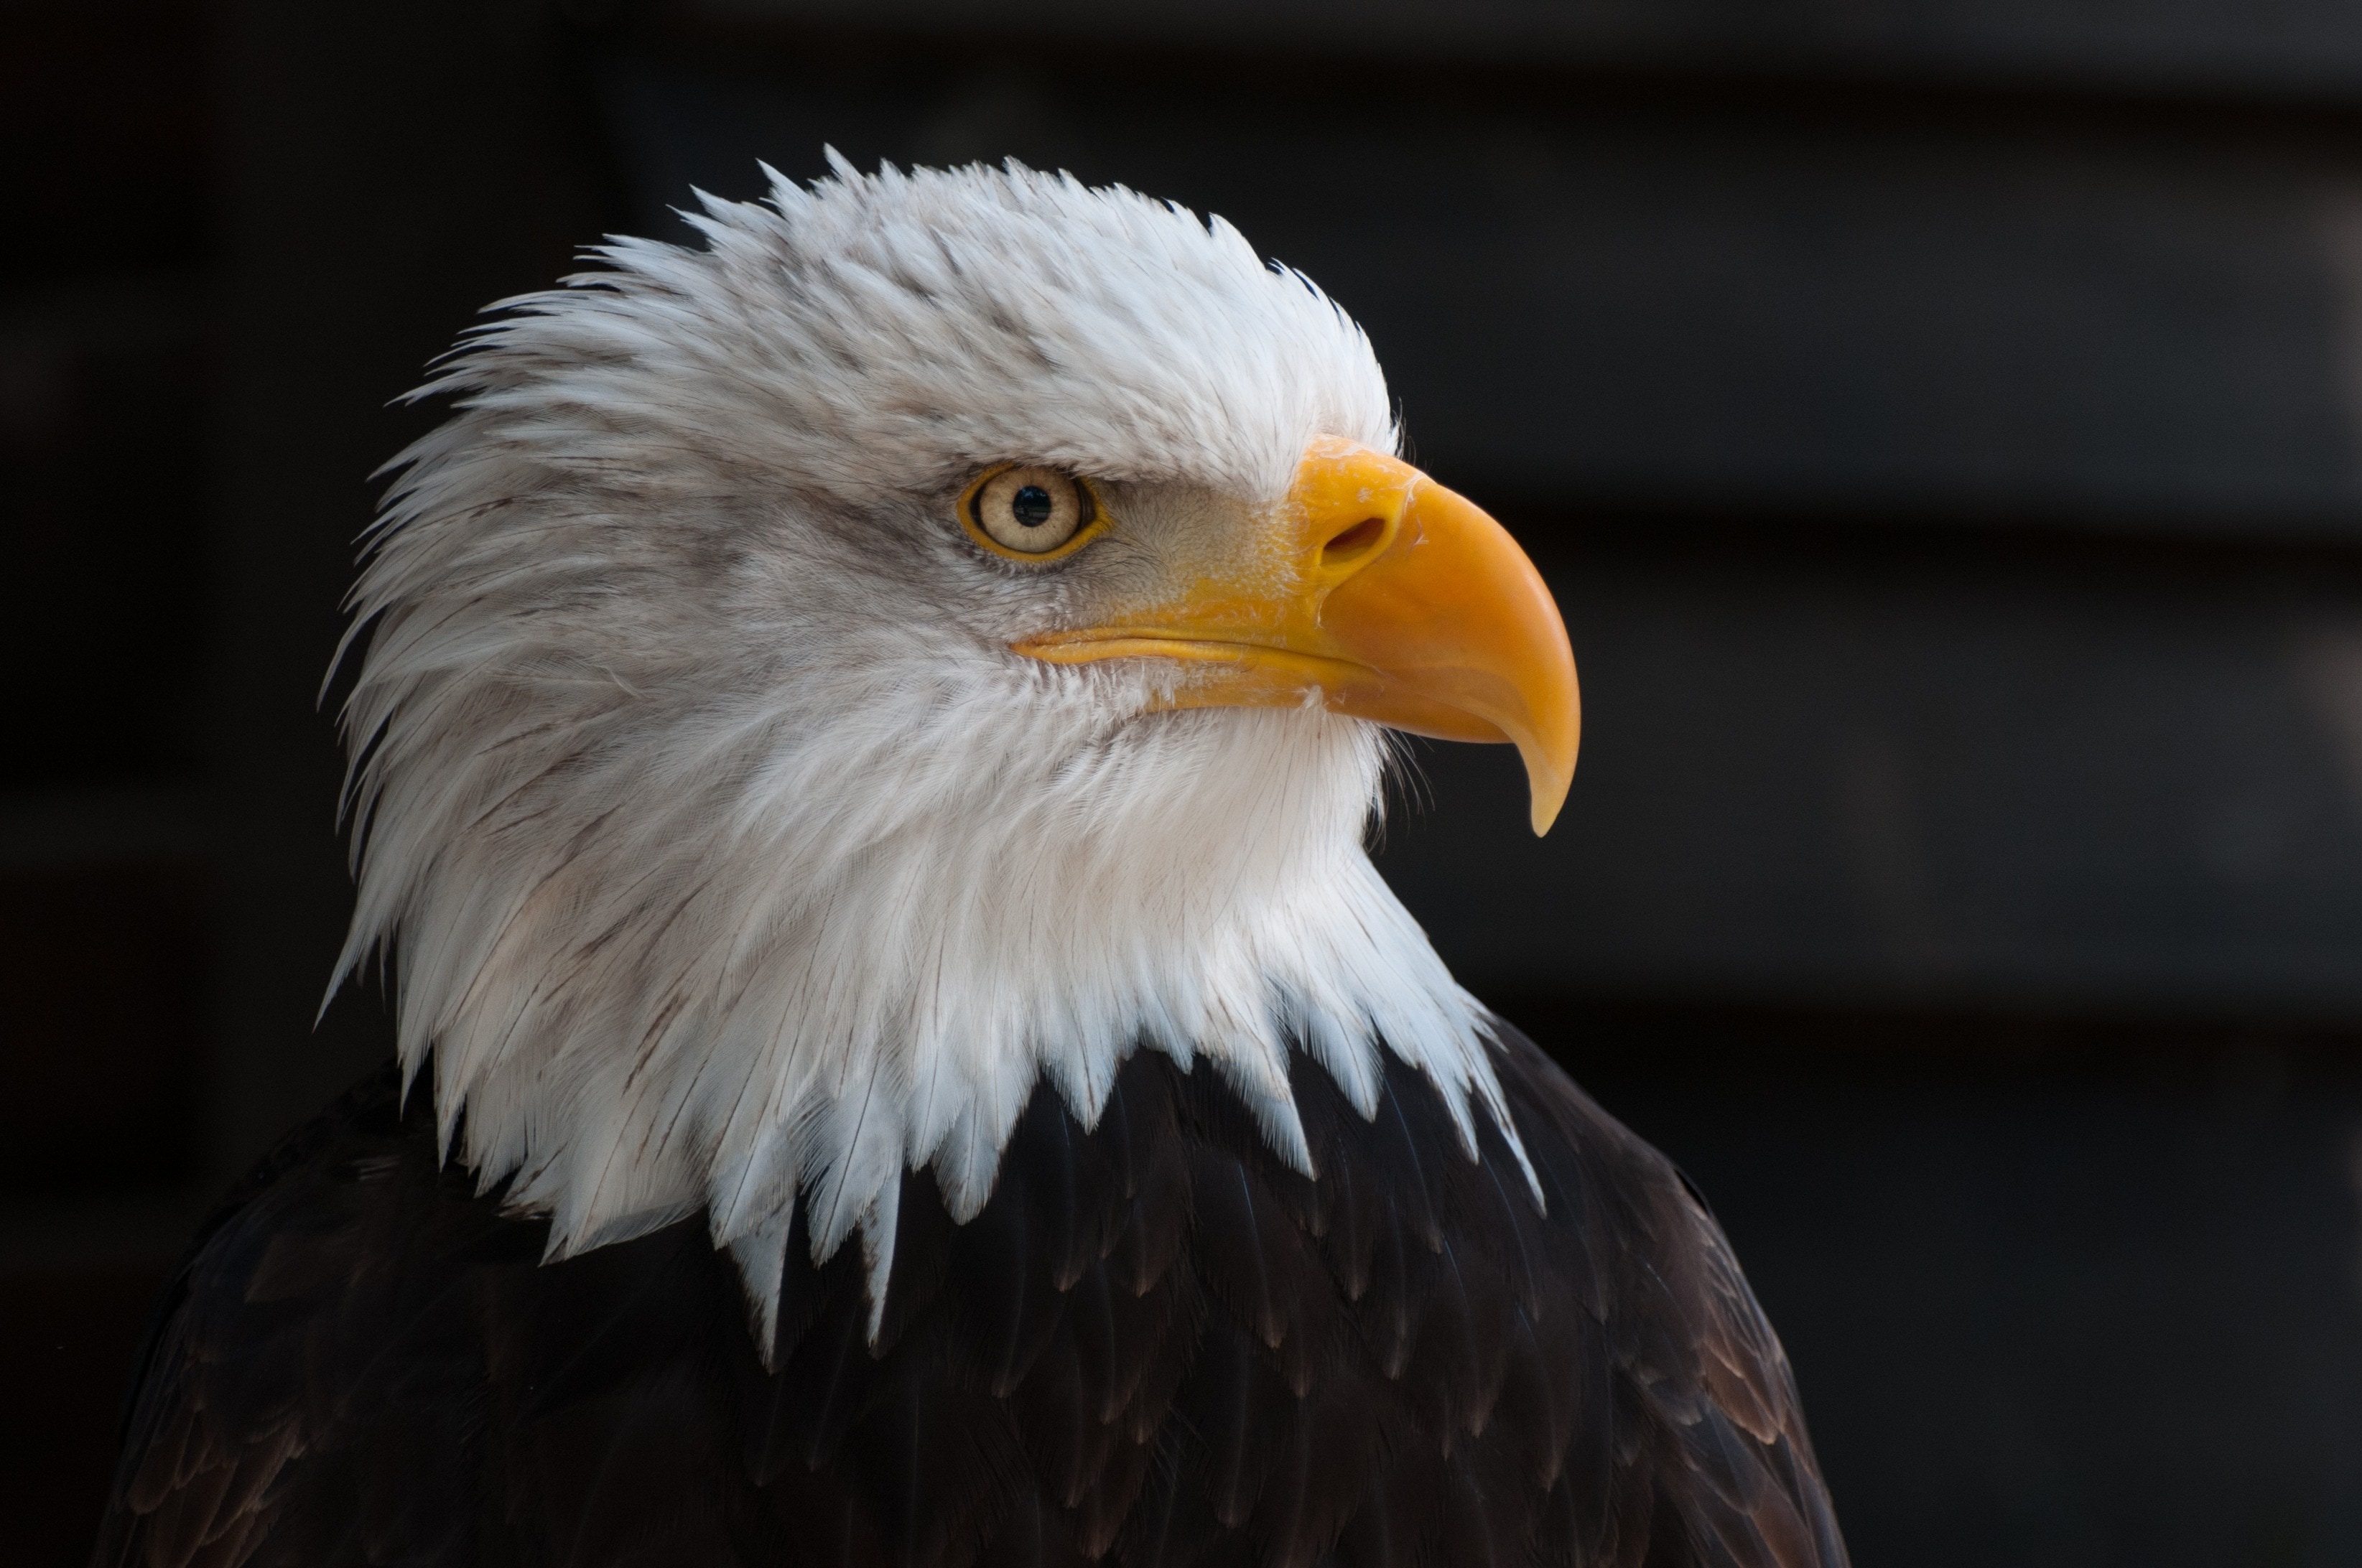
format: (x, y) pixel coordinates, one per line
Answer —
(1031, 505)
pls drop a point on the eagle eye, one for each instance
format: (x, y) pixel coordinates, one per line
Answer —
(1029, 512)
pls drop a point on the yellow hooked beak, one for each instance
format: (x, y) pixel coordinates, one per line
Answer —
(1376, 593)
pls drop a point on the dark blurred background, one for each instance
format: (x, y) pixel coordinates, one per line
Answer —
(1941, 422)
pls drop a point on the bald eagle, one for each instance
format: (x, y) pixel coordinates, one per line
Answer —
(862, 738)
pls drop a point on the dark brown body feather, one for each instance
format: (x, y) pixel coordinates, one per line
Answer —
(1157, 1346)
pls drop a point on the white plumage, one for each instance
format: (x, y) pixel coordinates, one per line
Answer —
(725, 850)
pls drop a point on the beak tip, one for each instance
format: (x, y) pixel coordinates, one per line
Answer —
(1550, 770)
(1545, 812)
(1547, 792)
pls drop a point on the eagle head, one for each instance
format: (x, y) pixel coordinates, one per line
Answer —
(931, 642)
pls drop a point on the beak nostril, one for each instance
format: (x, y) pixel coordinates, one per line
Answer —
(1352, 541)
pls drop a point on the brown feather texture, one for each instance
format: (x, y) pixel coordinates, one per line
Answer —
(1157, 1342)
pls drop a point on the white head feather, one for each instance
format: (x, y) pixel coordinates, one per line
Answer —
(725, 852)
